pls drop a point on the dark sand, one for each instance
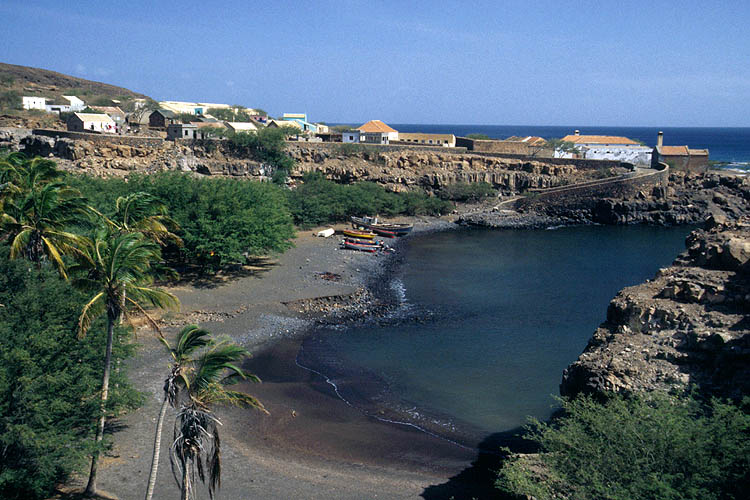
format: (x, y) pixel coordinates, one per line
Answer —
(313, 444)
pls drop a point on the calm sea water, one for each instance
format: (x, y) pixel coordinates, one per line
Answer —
(730, 145)
(506, 312)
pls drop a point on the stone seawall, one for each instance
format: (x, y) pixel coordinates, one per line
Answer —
(587, 194)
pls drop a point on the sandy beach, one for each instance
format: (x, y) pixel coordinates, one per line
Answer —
(313, 444)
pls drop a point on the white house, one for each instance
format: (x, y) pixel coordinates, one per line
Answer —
(91, 122)
(379, 126)
(351, 136)
(34, 102)
(241, 126)
(74, 104)
(374, 137)
(606, 147)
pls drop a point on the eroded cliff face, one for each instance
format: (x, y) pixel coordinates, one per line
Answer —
(690, 325)
(407, 169)
(399, 170)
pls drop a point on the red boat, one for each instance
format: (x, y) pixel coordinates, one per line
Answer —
(359, 246)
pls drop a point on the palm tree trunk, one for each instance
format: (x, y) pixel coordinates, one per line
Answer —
(185, 481)
(91, 486)
(157, 447)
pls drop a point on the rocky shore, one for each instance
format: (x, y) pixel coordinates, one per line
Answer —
(687, 198)
(686, 327)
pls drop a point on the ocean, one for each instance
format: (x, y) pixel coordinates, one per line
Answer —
(487, 323)
(727, 145)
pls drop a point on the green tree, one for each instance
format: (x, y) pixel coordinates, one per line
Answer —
(644, 446)
(197, 444)
(37, 210)
(47, 379)
(562, 146)
(116, 270)
(478, 136)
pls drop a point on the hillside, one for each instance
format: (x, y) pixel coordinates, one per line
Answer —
(52, 84)
(17, 81)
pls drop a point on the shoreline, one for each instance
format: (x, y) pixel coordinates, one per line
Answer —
(313, 445)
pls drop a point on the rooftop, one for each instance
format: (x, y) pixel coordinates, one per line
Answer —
(376, 126)
(599, 139)
(94, 117)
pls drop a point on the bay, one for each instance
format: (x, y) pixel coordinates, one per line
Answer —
(488, 322)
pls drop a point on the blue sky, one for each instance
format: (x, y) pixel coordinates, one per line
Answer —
(648, 63)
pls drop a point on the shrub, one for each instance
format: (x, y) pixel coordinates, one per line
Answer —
(49, 380)
(480, 137)
(318, 201)
(647, 446)
(221, 220)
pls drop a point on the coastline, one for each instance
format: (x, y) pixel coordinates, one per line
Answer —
(314, 444)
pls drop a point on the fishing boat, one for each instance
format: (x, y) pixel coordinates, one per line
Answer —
(364, 242)
(354, 233)
(358, 246)
(384, 229)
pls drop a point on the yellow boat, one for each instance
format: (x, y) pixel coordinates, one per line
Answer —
(353, 233)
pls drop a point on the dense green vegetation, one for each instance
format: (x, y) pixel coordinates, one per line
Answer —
(319, 201)
(647, 446)
(221, 221)
(49, 379)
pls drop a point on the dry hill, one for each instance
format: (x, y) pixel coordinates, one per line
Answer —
(17, 81)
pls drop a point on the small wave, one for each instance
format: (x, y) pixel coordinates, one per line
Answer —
(412, 412)
(398, 287)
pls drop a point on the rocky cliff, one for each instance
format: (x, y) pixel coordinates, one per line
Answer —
(687, 326)
(405, 169)
(397, 170)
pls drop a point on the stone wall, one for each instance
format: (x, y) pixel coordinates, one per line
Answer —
(503, 147)
(103, 139)
(340, 148)
(587, 194)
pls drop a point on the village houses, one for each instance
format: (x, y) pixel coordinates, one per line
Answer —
(91, 122)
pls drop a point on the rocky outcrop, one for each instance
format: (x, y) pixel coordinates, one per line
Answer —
(687, 326)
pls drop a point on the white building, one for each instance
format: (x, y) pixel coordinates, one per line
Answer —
(191, 108)
(91, 122)
(34, 102)
(74, 104)
(241, 126)
(374, 137)
(351, 136)
(606, 147)
(379, 126)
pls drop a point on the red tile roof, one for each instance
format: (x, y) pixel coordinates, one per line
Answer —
(674, 150)
(599, 139)
(376, 126)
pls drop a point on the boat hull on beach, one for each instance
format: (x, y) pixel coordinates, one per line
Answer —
(380, 228)
(354, 233)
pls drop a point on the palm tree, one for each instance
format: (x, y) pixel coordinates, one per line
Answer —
(37, 209)
(190, 339)
(145, 213)
(112, 266)
(197, 445)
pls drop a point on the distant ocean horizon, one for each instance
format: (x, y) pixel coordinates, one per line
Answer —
(730, 145)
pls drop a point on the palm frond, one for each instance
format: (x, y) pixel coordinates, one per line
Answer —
(92, 310)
